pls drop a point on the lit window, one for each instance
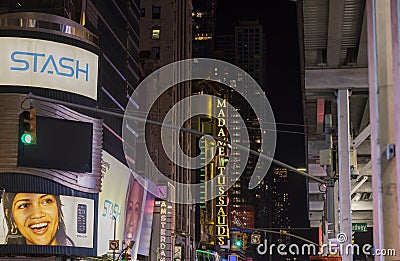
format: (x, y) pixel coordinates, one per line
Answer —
(155, 33)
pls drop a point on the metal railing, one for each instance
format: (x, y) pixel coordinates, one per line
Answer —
(49, 23)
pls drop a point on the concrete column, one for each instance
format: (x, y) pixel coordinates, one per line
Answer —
(395, 10)
(344, 168)
(384, 180)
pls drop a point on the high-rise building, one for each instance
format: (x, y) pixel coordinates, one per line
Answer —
(166, 37)
(279, 199)
(225, 48)
(250, 49)
(247, 208)
(204, 17)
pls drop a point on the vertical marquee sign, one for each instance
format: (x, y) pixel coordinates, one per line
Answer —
(221, 224)
(161, 242)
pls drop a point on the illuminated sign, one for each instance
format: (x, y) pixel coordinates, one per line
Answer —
(112, 197)
(46, 219)
(46, 64)
(221, 224)
(161, 246)
(122, 203)
(163, 230)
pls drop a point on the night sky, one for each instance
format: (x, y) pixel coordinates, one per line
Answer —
(282, 73)
(283, 82)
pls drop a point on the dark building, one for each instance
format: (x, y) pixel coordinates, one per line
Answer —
(279, 198)
(204, 17)
(225, 48)
(165, 38)
(81, 52)
(250, 49)
(114, 36)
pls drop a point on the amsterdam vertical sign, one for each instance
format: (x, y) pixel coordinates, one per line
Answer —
(221, 223)
(161, 242)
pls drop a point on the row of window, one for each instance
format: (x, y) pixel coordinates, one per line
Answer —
(155, 12)
(249, 30)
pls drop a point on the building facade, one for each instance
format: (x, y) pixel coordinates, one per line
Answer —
(204, 16)
(76, 53)
(166, 37)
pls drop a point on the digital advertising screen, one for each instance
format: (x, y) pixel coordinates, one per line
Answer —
(124, 207)
(111, 202)
(47, 64)
(145, 233)
(46, 219)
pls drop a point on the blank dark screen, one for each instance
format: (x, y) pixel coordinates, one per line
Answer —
(60, 144)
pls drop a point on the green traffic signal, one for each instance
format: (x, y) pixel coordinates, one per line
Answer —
(27, 138)
(238, 243)
(27, 127)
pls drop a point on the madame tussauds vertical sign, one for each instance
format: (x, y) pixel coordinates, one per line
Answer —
(221, 224)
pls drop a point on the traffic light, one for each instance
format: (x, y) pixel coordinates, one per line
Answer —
(255, 239)
(27, 126)
(238, 241)
(126, 256)
(245, 241)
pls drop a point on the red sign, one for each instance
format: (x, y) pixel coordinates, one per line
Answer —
(114, 244)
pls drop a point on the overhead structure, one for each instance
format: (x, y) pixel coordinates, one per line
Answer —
(350, 67)
(332, 37)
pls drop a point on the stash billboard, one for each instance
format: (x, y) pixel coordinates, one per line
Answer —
(47, 64)
(122, 204)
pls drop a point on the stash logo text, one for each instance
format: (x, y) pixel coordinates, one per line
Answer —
(40, 63)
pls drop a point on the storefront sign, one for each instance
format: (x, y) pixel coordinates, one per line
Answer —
(46, 64)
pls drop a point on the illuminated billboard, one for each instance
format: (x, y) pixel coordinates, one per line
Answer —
(111, 201)
(145, 233)
(122, 204)
(47, 64)
(46, 219)
(221, 222)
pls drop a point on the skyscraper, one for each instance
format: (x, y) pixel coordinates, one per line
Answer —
(204, 16)
(250, 49)
(165, 33)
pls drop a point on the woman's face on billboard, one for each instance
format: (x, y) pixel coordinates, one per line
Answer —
(133, 211)
(36, 217)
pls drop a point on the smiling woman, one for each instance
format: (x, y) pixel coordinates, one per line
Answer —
(35, 219)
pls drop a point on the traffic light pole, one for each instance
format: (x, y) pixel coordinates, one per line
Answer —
(282, 232)
(198, 133)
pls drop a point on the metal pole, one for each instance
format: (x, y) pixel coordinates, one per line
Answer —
(330, 181)
(115, 233)
(344, 168)
(130, 115)
(375, 131)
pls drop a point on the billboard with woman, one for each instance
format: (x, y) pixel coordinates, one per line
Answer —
(46, 219)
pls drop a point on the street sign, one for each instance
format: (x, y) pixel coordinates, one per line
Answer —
(359, 227)
(113, 244)
(232, 258)
(255, 239)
